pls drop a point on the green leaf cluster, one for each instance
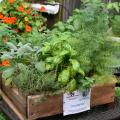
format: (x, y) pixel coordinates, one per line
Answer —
(86, 32)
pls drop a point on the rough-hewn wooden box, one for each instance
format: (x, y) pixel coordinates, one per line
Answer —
(29, 107)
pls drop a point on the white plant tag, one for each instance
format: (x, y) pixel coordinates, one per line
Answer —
(76, 102)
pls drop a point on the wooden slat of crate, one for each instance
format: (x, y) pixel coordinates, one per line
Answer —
(102, 94)
(12, 106)
(53, 105)
(17, 98)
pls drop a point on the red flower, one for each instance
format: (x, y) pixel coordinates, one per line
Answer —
(9, 20)
(28, 28)
(28, 11)
(43, 9)
(20, 9)
(11, 1)
(13, 19)
(6, 63)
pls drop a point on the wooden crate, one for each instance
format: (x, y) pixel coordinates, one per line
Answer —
(30, 107)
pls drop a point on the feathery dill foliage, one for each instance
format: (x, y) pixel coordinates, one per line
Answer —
(116, 25)
(86, 31)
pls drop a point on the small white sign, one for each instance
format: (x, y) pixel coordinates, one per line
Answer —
(76, 102)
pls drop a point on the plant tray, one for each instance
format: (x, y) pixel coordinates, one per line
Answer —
(30, 107)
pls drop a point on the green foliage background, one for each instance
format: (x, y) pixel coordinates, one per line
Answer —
(3, 116)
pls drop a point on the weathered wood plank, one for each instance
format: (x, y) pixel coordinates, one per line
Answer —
(102, 94)
(17, 98)
(51, 106)
(12, 106)
(70, 5)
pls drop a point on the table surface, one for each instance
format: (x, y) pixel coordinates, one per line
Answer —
(97, 113)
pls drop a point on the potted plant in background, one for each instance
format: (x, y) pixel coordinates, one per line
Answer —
(20, 16)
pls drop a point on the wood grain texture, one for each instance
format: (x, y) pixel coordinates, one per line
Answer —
(12, 106)
(51, 106)
(69, 6)
(17, 98)
(32, 107)
(102, 94)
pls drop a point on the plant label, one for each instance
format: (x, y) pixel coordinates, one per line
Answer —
(76, 102)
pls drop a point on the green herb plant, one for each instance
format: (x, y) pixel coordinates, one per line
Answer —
(86, 32)
(73, 55)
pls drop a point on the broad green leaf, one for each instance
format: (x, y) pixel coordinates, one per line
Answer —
(40, 66)
(87, 82)
(70, 19)
(49, 66)
(109, 5)
(76, 11)
(70, 27)
(46, 49)
(49, 59)
(116, 6)
(72, 86)
(8, 81)
(63, 77)
(72, 72)
(76, 24)
(7, 73)
(57, 60)
(75, 64)
(60, 26)
(64, 52)
(81, 72)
